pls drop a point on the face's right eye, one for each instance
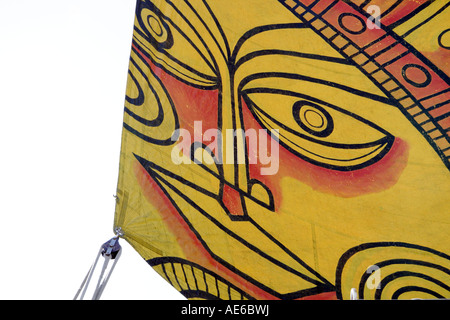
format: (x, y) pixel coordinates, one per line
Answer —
(323, 134)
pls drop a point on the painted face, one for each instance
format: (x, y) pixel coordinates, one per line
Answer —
(281, 149)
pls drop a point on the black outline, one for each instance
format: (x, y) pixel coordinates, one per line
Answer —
(141, 100)
(191, 293)
(414, 83)
(376, 245)
(410, 49)
(328, 121)
(385, 142)
(160, 46)
(349, 14)
(425, 21)
(213, 67)
(319, 286)
(440, 39)
(322, 285)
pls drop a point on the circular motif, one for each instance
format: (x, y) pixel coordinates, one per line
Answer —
(155, 25)
(416, 75)
(444, 39)
(352, 23)
(156, 29)
(313, 118)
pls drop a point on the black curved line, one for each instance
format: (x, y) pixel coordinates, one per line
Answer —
(391, 8)
(219, 27)
(365, 246)
(425, 21)
(158, 45)
(326, 283)
(199, 145)
(235, 236)
(159, 180)
(315, 100)
(152, 167)
(261, 29)
(185, 277)
(387, 145)
(168, 141)
(195, 278)
(214, 256)
(380, 142)
(207, 86)
(406, 289)
(307, 292)
(225, 57)
(408, 46)
(213, 68)
(149, 123)
(252, 106)
(197, 294)
(400, 274)
(440, 39)
(347, 14)
(255, 54)
(382, 264)
(296, 110)
(410, 14)
(176, 260)
(160, 117)
(140, 45)
(167, 276)
(412, 82)
(286, 75)
(365, 3)
(271, 204)
(216, 67)
(140, 98)
(175, 274)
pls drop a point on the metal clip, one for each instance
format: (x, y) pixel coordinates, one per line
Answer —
(110, 250)
(353, 294)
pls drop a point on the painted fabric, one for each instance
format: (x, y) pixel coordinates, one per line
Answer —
(289, 149)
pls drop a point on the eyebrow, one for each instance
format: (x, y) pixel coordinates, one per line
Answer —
(259, 53)
(295, 76)
(235, 63)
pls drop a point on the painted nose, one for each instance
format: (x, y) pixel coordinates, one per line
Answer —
(235, 173)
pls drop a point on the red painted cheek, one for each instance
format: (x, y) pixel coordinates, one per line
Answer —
(191, 104)
(375, 178)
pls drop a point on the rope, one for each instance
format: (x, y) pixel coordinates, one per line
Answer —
(110, 250)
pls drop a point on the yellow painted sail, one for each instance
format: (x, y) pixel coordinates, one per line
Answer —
(291, 149)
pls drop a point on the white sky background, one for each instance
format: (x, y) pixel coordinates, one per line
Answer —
(63, 72)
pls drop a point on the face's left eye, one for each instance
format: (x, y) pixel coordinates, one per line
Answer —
(319, 132)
